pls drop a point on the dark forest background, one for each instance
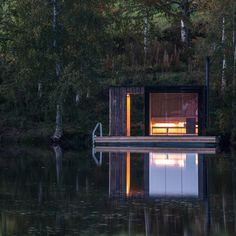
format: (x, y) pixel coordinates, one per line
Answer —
(100, 43)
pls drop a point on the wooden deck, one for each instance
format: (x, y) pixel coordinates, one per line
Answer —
(154, 150)
(157, 141)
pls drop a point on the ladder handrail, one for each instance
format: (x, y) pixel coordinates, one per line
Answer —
(97, 161)
(98, 125)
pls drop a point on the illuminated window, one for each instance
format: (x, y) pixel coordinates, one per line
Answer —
(173, 113)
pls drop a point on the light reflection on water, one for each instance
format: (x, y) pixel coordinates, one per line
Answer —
(57, 192)
(173, 174)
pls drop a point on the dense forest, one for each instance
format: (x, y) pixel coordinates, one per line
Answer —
(58, 59)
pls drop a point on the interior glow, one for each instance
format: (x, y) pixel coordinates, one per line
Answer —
(128, 113)
(169, 128)
(168, 131)
(167, 125)
(173, 113)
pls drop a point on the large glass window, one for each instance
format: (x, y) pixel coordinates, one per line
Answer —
(173, 113)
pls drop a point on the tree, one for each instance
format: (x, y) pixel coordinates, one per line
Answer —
(58, 69)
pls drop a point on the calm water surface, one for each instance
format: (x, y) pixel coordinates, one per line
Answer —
(56, 192)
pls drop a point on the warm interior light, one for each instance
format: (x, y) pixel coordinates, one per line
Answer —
(173, 113)
(128, 114)
(168, 128)
(167, 125)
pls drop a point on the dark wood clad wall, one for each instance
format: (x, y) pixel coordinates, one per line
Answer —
(117, 108)
(117, 174)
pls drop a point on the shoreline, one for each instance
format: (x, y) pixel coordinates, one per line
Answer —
(42, 136)
(72, 138)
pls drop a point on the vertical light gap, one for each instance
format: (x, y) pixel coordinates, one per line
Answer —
(128, 113)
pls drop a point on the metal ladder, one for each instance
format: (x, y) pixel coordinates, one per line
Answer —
(98, 125)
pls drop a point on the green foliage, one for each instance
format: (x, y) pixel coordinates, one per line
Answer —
(112, 42)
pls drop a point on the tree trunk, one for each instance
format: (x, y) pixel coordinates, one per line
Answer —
(77, 97)
(223, 82)
(58, 156)
(39, 89)
(145, 34)
(185, 31)
(58, 131)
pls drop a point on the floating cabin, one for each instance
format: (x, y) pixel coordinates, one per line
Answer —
(157, 116)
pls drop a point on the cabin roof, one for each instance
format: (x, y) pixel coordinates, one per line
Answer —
(163, 87)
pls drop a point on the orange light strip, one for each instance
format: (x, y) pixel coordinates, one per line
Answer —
(128, 114)
(168, 131)
(128, 174)
(169, 125)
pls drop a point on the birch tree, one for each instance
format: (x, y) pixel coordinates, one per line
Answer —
(187, 8)
(223, 41)
(185, 19)
(145, 33)
(58, 67)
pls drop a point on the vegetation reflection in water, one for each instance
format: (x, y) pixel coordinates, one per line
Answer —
(56, 192)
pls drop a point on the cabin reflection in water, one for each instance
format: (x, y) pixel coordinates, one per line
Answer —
(160, 175)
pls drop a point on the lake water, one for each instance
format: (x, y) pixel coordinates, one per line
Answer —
(50, 191)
